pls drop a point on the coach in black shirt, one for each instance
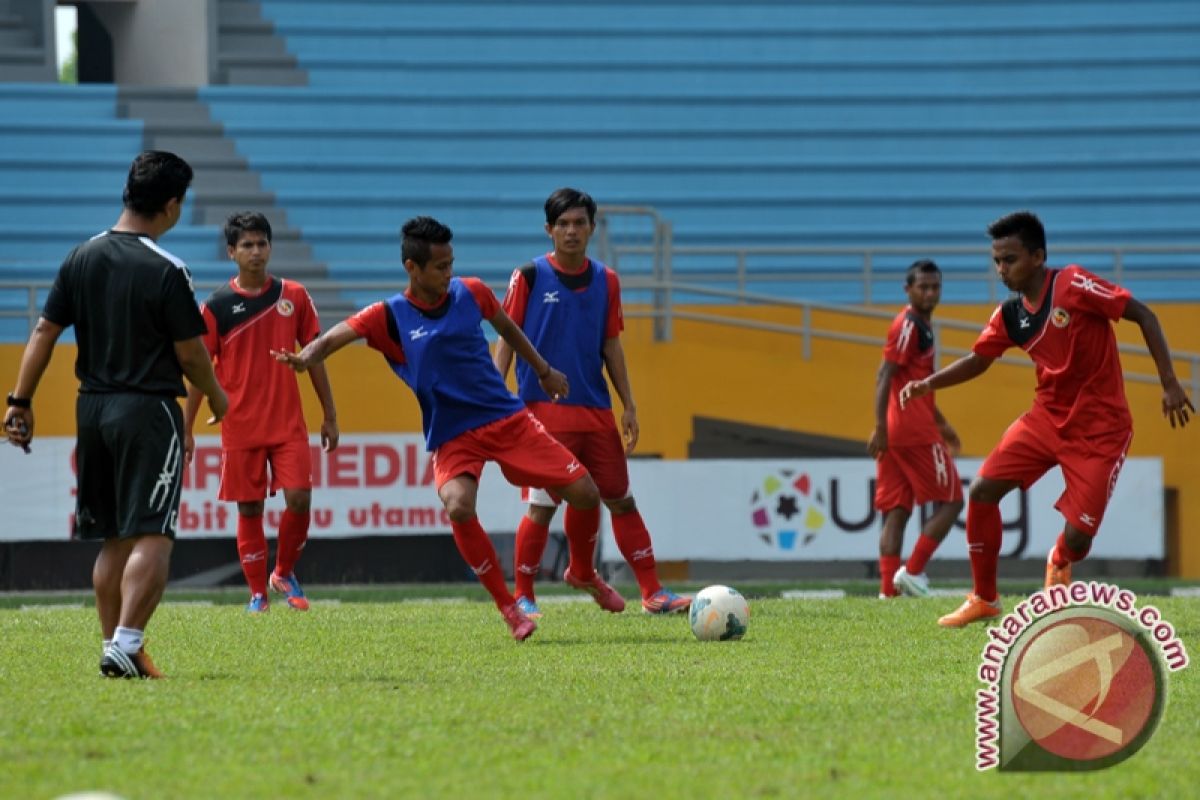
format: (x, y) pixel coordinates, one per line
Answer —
(138, 332)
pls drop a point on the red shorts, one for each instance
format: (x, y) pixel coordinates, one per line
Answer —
(1090, 465)
(244, 472)
(519, 444)
(603, 453)
(923, 473)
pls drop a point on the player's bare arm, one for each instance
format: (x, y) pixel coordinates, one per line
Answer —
(329, 427)
(197, 366)
(966, 368)
(1175, 402)
(949, 435)
(502, 357)
(614, 362)
(18, 420)
(318, 349)
(877, 445)
(553, 382)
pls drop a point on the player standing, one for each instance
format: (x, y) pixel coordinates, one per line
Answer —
(569, 306)
(247, 318)
(913, 452)
(1080, 420)
(138, 332)
(432, 339)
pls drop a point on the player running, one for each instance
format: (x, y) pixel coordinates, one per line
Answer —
(247, 318)
(1080, 420)
(431, 338)
(913, 451)
(569, 306)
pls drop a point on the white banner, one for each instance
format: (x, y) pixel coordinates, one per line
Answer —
(760, 510)
(821, 509)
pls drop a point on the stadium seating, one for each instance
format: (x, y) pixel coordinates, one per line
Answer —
(763, 125)
(64, 155)
(768, 124)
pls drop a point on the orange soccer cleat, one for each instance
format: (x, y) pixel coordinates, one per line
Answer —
(973, 609)
(605, 596)
(1056, 575)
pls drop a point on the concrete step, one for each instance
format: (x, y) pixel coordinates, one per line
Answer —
(225, 180)
(237, 12)
(263, 76)
(192, 147)
(234, 45)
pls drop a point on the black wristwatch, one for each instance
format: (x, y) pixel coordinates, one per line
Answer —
(19, 402)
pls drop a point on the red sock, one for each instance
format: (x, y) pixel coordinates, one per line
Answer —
(530, 545)
(293, 534)
(252, 551)
(582, 526)
(633, 540)
(477, 550)
(922, 552)
(887, 570)
(984, 529)
(1064, 555)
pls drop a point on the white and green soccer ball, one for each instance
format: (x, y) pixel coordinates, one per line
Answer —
(719, 614)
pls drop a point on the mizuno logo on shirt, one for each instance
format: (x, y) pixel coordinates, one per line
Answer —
(574, 465)
(417, 333)
(238, 308)
(550, 297)
(1024, 322)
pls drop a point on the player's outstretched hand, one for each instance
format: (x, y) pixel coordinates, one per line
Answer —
(554, 385)
(912, 390)
(293, 360)
(1175, 404)
(18, 427)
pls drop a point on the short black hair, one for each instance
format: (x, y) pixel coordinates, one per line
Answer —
(155, 177)
(1024, 225)
(563, 200)
(245, 222)
(923, 265)
(419, 235)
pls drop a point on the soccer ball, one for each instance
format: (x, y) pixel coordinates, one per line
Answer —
(719, 613)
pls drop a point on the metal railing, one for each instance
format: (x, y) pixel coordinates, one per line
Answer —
(742, 275)
(666, 308)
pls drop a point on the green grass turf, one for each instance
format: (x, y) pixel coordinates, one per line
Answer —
(837, 698)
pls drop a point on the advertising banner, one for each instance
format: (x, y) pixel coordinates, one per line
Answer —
(718, 510)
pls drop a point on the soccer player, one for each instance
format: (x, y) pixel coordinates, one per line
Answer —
(432, 339)
(247, 318)
(138, 333)
(913, 452)
(1079, 421)
(569, 306)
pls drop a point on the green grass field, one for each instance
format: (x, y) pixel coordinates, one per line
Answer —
(383, 697)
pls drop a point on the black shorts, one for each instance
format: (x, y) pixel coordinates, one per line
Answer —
(129, 461)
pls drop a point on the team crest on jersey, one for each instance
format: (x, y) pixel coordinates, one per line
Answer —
(285, 307)
(1059, 317)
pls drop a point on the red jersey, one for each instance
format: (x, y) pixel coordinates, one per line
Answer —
(375, 323)
(1080, 386)
(910, 347)
(243, 329)
(556, 416)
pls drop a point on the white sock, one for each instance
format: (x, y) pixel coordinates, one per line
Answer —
(106, 643)
(128, 639)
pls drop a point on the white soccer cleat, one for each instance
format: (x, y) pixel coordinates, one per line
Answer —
(914, 585)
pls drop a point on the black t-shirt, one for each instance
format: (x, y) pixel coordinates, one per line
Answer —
(129, 301)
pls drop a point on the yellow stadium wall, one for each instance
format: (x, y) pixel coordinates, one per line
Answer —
(762, 378)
